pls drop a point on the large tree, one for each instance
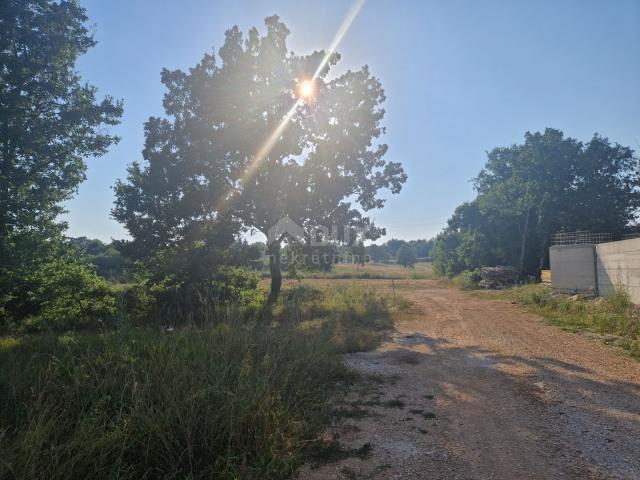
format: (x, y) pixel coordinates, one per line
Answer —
(222, 159)
(49, 123)
(527, 192)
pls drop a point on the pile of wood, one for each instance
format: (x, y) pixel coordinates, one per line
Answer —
(498, 277)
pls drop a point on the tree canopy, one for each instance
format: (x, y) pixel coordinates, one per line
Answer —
(527, 192)
(50, 121)
(406, 256)
(208, 175)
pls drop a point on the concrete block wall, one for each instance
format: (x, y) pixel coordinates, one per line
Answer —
(618, 263)
(573, 268)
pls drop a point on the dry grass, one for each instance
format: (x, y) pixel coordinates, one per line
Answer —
(421, 271)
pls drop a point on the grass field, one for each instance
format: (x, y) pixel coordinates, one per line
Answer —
(421, 271)
(226, 400)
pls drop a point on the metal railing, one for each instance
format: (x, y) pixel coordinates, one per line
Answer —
(575, 238)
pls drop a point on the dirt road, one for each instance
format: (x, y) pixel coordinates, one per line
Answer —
(468, 388)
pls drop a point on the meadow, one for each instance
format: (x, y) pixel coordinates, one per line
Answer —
(245, 395)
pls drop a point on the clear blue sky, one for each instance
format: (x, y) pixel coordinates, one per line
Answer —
(461, 77)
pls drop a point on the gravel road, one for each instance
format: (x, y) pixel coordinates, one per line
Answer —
(469, 388)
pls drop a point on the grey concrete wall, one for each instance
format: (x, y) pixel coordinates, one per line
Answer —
(573, 268)
(618, 263)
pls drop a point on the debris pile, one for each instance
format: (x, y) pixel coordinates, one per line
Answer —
(498, 276)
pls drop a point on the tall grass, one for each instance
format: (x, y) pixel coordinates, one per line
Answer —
(612, 314)
(230, 399)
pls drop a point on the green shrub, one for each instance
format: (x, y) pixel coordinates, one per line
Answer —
(60, 294)
(195, 303)
(406, 256)
(467, 280)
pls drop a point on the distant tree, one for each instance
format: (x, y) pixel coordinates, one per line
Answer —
(527, 192)
(394, 245)
(406, 256)
(105, 258)
(208, 172)
(422, 248)
(49, 123)
(378, 253)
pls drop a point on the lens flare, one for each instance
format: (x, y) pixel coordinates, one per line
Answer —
(306, 89)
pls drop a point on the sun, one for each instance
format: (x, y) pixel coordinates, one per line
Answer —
(305, 89)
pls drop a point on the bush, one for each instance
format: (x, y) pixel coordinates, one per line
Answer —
(467, 280)
(60, 294)
(406, 256)
(170, 302)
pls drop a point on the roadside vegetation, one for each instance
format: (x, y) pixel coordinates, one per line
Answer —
(613, 317)
(243, 395)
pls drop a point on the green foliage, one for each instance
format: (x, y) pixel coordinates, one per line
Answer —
(529, 191)
(105, 258)
(170, 303)
(303, 258)
(389, 250)
(232, 399)
(377, 253)
(58, 294)
(467, 280)
(49, 123)
(406, 257)
(201, 169)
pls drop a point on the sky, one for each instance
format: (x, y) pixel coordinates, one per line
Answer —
(461, 77)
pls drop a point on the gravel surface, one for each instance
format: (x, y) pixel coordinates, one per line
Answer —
(469, 388)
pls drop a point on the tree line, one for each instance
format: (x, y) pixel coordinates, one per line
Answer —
(527, 192)
(403, 252)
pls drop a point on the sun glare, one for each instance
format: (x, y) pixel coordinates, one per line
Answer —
(305, 89)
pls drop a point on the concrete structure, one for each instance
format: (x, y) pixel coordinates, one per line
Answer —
(618, 264)
(597, 269)
(573, 268)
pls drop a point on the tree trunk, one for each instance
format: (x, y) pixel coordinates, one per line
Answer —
(274, 269)
(523, 245)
